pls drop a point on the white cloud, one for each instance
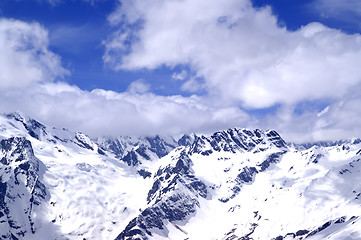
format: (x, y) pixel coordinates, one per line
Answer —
(102, 112)
(237, 53)
(26, 85)
(242, 53)
(342, 120)
(139, 86)
(109, 113)
(241, 56)
(25, 58)
(193, 85)
(339, 120)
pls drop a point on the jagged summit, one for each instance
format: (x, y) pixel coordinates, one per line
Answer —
(227, 140)
(233, 140)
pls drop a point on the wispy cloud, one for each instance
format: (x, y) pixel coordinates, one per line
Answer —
(336, 8)
(75, 39)
(346, 13)
(55, 2)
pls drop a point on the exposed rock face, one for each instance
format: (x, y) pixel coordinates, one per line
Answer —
(134, 151)
(21, 189)
(176, 190)
(173, 197)
(237, 140)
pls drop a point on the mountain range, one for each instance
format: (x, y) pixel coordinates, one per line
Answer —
(232, 184)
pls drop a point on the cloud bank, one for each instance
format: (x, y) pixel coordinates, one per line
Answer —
(108, 113)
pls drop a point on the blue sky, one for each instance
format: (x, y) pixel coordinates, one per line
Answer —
(267, 64)
(76, 31)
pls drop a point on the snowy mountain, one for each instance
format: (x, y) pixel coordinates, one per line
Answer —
(233, 184)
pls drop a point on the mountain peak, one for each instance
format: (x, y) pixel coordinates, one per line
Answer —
(238, 140)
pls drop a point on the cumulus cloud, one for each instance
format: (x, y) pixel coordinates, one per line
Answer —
(241, 52)
(25, 58)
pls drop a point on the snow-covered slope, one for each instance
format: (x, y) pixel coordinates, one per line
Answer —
(234, 184)
(85, 192)
(250, 185)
